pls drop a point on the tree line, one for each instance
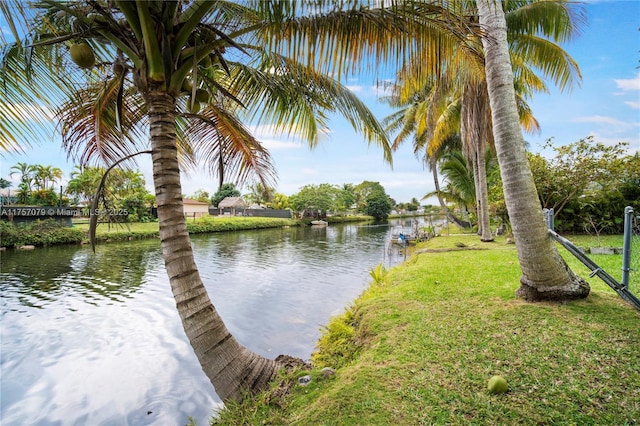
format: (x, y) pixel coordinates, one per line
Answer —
(318, 200)
(124, 189)
(588, 185)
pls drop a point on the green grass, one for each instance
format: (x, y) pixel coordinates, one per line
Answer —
(593, 241)
(419, 346)
(122, 232)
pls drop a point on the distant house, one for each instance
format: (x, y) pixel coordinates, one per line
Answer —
(194, 208)
(231, 206)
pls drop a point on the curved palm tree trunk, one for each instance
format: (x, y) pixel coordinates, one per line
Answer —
(447, 212)
(545, 275)
(483, 193)
(232, 368)
(473, 131)
(473, 163)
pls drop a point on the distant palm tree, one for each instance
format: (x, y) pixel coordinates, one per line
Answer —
(46, 176)
(259, 194)
(25, 172)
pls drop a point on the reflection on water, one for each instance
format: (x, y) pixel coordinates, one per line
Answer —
(96, 339)
(39, 277)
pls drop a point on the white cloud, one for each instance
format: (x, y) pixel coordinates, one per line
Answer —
(600, 120)
(383, 88)
(273, 144)
(264, 131)
(629, 84)
(633, 104)
(355, 88)
(634, 143)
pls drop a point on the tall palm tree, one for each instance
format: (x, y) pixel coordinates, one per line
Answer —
(46, 176)
(25, 172)
(184, 73)
(545, 275)
(462, 103)
(431, 135)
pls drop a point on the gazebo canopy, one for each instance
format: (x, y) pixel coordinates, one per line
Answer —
(231, 202)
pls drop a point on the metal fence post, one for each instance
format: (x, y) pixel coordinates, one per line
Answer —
(548, 218)
(626, 248)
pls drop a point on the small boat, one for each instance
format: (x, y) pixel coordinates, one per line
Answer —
(319, 223)
(403, 237)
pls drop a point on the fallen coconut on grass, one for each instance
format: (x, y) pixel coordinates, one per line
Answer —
(497, 385)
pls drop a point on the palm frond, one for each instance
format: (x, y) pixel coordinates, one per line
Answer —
(221, 140)
(558, 20)
(89, 125)
(553, 61)
(297, 100)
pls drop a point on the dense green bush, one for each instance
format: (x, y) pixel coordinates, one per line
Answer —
(39, 233)
(210, 224)
(126, 235)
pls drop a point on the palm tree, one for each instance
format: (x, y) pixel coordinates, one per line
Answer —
(415, 118)
(457, 98)
(460, 187)
(83, 183)
(259, 194)
(545, 275)
(26, 173)
(46, 176)
(183, 73)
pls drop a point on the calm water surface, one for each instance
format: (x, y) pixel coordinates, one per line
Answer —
(95, 339)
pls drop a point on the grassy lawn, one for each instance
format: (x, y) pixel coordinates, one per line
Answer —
(419, 346)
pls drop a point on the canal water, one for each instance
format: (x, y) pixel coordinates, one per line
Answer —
(95, 339)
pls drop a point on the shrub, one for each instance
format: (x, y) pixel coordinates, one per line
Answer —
(39, 233)
(338, 344)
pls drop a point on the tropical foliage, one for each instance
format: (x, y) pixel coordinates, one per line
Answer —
(226, 190)
(367, 198)
(39, 233)
(314, 200)
(378, 205)
(588, 184)
(187, 75)
(37, 184)
(437, 107)
(259, 194)
(200, 195)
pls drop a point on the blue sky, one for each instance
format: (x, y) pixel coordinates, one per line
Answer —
(605, 106)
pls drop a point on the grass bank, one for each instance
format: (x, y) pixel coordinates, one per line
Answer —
(207, 224)
(48, 233)
(419, 346)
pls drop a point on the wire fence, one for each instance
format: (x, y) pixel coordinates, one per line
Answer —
(629, 286)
